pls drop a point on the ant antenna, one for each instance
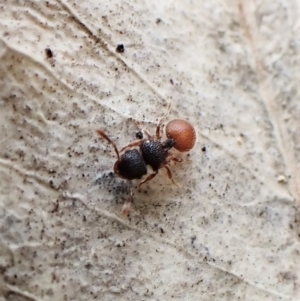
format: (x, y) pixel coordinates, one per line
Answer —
(168, 109)
(104, 136)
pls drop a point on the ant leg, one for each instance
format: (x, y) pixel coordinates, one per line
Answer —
(127, 204)
(157, 134)
(170, 175)
(132, 144)
(147, 134)
(104, 136)
(171, 158)
(149, 178)
(175, 159)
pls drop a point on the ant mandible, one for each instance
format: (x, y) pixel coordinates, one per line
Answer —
(132, 164)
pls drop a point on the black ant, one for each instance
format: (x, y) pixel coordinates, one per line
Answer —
(132, 164)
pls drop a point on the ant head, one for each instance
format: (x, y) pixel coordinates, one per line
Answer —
(130, 165)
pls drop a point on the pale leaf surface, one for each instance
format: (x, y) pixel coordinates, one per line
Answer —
(230, 231)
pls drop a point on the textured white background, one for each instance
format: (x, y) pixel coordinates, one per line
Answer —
(230, 231)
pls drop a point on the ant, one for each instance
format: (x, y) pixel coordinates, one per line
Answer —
(132, 164)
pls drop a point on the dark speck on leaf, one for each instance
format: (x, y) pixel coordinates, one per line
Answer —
(49, 53)
(120, 48)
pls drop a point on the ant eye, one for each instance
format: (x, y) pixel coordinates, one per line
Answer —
(139, 135)
(183, 134)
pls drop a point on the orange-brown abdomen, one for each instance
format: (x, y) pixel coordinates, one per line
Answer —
(183, 133)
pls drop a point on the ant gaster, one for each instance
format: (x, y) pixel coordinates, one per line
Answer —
(132, 164)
